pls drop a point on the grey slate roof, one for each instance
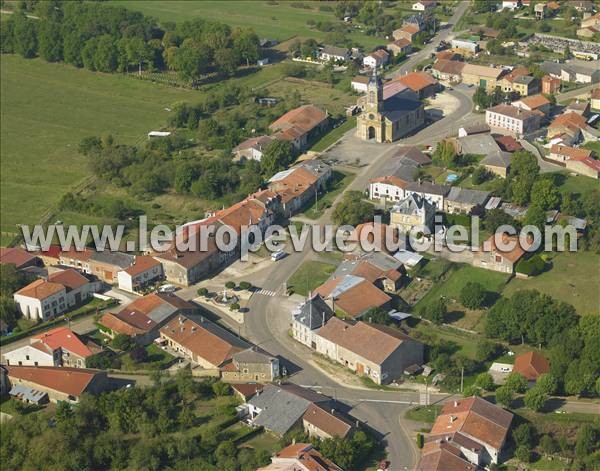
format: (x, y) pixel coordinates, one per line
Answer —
(252, 355)
(524, 79)
(334, 50)
(162, 312)
(464, 195)
(282, 406)
(497, 159)
(413, 155)
(427, 187)
(310, 313)
(119, 259)
(481, 144)
(413, 204)
(396, 106)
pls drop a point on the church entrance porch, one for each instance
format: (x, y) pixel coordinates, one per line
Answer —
(371, 133)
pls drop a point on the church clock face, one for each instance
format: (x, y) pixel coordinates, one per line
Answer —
(371, 116)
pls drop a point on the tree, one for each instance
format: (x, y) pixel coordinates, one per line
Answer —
(277, 156)
(535, 399)
(202, 292)
(487, 350)
(226, 60)
(472, 295)
(377, 315)
(352, 210)
(480, 175)
(586, 440)
(230, 285)
(122, 342)
(105, 54)
(420, 440)
(548, 444)
(547, 383)
(535, 216)
(545, 194)
(247, 44)
(524, 170)
(504, 396)
(436, 311)
(191, 61)
(495, 218)
(485, 381)
(523, 454)
(9, 311)
(516, 382)
(25, 38)
(50, 41)
(244, 285)
(221, 389)
(445, 153)
(139, 354)
(524, 435)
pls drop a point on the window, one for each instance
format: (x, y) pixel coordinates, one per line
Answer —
(26, 357)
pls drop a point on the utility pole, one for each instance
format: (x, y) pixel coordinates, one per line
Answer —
(462, 378)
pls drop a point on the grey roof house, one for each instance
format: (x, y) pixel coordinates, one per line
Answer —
(463, 200)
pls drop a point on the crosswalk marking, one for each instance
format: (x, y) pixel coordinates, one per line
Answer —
(267, 292)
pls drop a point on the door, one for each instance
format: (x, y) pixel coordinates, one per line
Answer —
(360, 368)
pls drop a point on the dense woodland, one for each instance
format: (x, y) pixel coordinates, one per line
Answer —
(111, 39)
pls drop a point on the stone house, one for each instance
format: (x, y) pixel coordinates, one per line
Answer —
(308, 317)
(251, 365)
(378, 352)
(413, 211)
(492, 257)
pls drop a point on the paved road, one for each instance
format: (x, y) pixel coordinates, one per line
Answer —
(428, 49)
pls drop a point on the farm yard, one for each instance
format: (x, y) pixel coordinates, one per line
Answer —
(51, 108)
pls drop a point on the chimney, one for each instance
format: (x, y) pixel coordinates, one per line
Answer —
(332, 411)
(455, 403)
(452, 419)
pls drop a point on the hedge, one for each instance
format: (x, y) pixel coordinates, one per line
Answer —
(532, 266)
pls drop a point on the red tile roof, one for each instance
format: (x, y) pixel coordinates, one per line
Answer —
(449, 66)
(330, 423)
(247, 390)
(571, 152)
(417, 81)
(306, 456)
(112, 322)
(70, 279)
(141, 264)
(534, 101)
(16, 256)
(72, 381)
(65, 338)
(356, 300)
(205, 339)
(83, 255)
(513, 255)
(305, 118)
(40, 289)
(531, 365)
(293, 185)
(441, 456)
(474, 417)
(508, 143)
(373, 342)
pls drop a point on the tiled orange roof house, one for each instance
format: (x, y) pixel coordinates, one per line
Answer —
(531, 365)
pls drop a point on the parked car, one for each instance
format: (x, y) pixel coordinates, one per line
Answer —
(275, 256)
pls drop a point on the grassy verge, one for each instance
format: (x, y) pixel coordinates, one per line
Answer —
(339, 181)
(334, 135)
(309, 276)
(426, 414)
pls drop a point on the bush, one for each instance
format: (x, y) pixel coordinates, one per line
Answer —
(138, 354)
(485, 381)
(472, 295)
(524, 435)
(230, 285)
(504, 396)
(523, 454)
(122, 342)
(202, 292)
(221, 389)
(436, 311)
(487, 350)
(420, 440)
(234, 307)
(532, 266)
(535, 399)
(245, 285)
(548, 444)
(480, 174)
(547, 383)
(516, 382)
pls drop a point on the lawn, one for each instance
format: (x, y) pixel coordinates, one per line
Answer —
(593, 146)
(334, 135)
(574, 278)
(157, 359)
(450, 287)
(46, 110)
(426, 414)
(279, 20)
(309, 276)
(339, 181)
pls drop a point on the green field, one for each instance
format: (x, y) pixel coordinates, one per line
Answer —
(280, 21)
(310, 275)
(46, 110)
(450, 287)
(573, 278)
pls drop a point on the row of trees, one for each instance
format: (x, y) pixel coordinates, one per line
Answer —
(111, 39)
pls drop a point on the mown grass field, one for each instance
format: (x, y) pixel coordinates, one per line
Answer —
(280, 21)
(46, 110)
(310, 275)
(574, 278)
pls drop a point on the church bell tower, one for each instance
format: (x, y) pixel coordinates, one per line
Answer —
(374, 93)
